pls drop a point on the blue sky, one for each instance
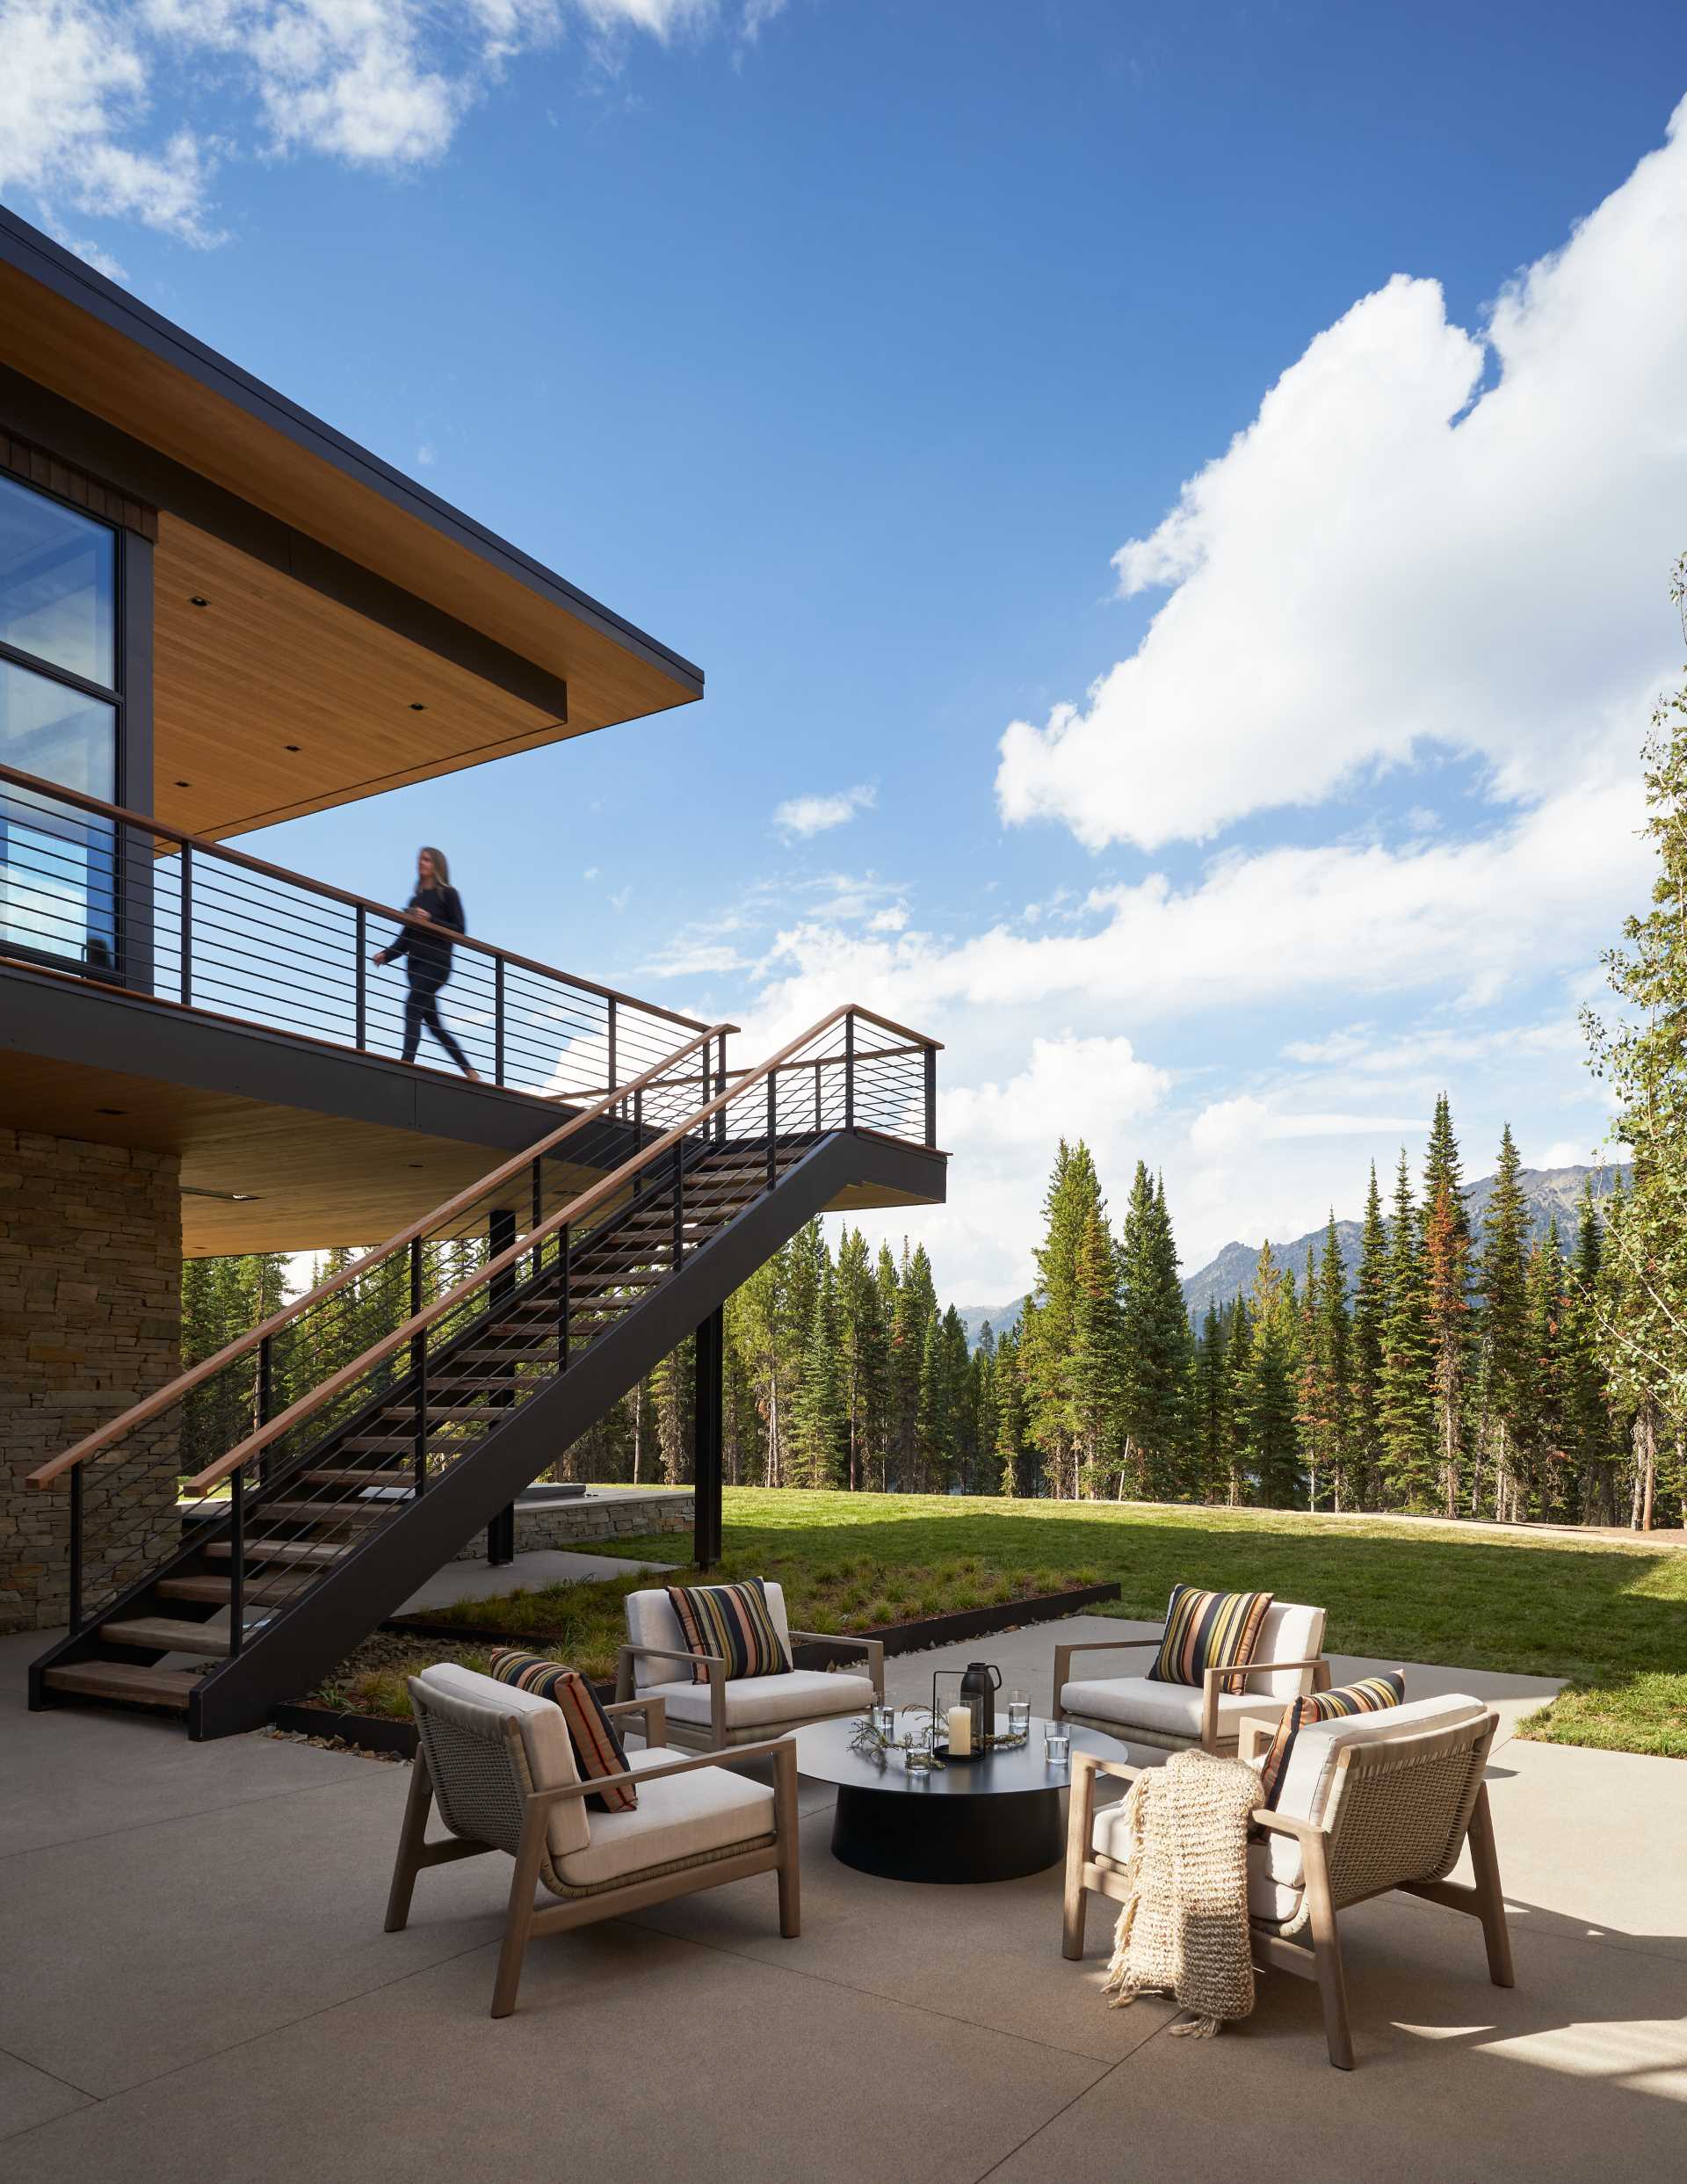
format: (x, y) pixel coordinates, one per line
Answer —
(845, 344)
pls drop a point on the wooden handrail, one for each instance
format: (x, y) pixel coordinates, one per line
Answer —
(588, 1201)
(163, 1398)
(121, 816)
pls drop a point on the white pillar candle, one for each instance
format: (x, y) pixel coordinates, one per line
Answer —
(960, 1731)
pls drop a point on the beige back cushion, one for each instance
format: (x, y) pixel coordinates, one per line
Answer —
(480, 1706)
(651, 1621)
(1290, 1632)
(1318, 1747)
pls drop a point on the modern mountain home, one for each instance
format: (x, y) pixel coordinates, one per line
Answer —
(217, 612)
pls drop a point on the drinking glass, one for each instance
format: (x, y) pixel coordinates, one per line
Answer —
(1018, 1715)
(884, 1719)
(916, 1753)
(1057, 1746)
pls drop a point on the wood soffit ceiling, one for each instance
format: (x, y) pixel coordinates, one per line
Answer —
(297, 660)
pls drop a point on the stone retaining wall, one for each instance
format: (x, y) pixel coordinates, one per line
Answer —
(90, 1316)
(566, 1523)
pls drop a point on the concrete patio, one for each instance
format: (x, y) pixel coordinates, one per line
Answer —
(195, 1984)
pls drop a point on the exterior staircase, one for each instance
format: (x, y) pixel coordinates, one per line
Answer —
(363, 1436)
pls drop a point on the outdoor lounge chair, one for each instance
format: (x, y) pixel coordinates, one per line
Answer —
(729, 1711)
(1369, 1803)
(498, 1763)
(1137, 1711)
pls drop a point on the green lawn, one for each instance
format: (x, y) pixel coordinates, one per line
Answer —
(1613, 1619)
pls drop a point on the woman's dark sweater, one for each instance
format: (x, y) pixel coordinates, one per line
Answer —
(430, 953)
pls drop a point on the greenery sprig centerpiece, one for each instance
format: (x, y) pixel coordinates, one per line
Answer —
(870, 1742)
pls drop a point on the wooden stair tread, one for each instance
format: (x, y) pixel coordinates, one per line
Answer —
(359, 1478)
(321, 1511)
(125, 1679)
(275, 1551)
(167, 1635)
(217, 1590)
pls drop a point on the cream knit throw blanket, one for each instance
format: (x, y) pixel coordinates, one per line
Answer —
(1183, 1927)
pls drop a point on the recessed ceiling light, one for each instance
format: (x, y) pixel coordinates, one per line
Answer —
(111, 1110)
(416, 706)
(197, 601)
(183, 783)
(235, 1198)
(293, 746)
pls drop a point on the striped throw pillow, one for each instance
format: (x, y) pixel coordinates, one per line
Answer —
(1369, 1695)
(735, 1624)
(596, 1748)
(1209, 1630)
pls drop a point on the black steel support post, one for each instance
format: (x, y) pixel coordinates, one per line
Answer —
(931, 1098)
(708, 1445)
(76, 1548)
(848, 1071)
(611, 1080)
(772, 1128)
(499, 1235)
(565, 1280)
(236, 1561)
(497, 1022)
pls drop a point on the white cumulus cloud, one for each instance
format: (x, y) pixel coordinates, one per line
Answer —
(1429, 536)
(800, 817)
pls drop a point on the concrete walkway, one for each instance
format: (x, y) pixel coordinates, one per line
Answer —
(194, 1984)
(489, 1581)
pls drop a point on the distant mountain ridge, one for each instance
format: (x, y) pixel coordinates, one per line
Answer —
(1551, 1194)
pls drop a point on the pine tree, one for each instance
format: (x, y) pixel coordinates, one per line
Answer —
(1446, 1279)
(1325, 1400)
(982, 1476)
(1587, 1393)
(1013, 1453)
(1093, 1368)
(1155, 1343)
(911, 1316)
(1642, 1058)
(1268, 1395)
(863, 1339)
(1212, 1407)
(1545, 1434)
(818, 1434)
(1049, 1326)
(1406, 1394)
(1369, 1315)
(1238, 1354)
(1504, 1347)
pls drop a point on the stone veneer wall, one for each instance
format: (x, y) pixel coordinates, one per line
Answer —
(540, 1524)
(90, 1316)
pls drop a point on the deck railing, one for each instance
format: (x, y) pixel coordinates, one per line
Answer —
(90, 890)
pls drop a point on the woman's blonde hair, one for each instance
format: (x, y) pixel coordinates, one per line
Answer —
(441, 867)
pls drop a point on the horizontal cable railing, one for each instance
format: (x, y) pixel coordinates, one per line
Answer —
(337, 1413)
(91, 889)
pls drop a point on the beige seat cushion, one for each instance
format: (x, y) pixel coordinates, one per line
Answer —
(651, 1621)
(759, 1703)
(480, 1705)
(708, 1808)
(1162, 1710)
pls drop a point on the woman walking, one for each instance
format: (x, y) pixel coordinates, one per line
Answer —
(427, 955)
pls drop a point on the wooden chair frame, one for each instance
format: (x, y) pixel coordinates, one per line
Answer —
(525, 1920)
(1211, 1680)
(1322, 1961)
(686, 1733)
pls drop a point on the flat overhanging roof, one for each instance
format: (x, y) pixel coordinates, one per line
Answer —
(553, 662)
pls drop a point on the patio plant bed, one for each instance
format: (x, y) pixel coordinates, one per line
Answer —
(1610, 1615)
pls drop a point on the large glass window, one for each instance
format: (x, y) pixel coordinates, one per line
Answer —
(58, 620)
(58, 584)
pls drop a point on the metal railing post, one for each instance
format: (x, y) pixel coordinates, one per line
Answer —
(720, 1086)
(498, 1020)
(565, 1262)
(931, 1098)
(611, 1080)
(539, 1208)
(236, 1560)
(265, 1398)
(75, 1548)
(819, 1073)
(772, 1127)
(679, 1204)
(187, 907)
(419, 1367)
(848, 1071)
(363, 975)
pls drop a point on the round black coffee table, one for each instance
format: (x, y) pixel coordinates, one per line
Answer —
(996, 1818)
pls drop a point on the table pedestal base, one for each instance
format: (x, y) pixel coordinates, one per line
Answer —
(904, 1835)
